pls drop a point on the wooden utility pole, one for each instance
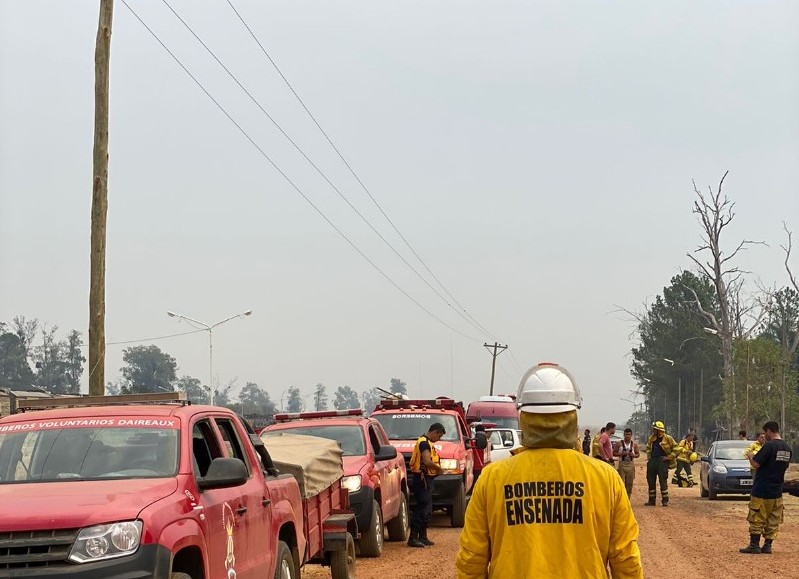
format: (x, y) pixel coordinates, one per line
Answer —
(495, 349)
(102, 57)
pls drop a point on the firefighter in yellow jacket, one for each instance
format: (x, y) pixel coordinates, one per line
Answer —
(684, 451)
(549, 512)
(661, 452)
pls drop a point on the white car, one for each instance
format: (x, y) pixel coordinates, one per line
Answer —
(503, 440)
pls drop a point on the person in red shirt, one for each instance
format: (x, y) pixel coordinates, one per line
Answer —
(605, 446)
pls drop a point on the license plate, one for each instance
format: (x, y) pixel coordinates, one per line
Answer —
(746, 482)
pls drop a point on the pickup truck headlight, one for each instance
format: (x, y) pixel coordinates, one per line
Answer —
(720, 468)
(450, 464)
(106, 542)
(352, 483)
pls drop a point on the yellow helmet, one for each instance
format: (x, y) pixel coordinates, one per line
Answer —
(658, 425)
(693, 457)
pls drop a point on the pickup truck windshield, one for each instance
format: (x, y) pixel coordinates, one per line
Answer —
(87, 454)
(350, 438)
(406, 426)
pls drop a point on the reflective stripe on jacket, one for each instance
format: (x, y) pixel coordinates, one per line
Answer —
(595, 447)
(684, 450)
(416, 465)
(549, 513)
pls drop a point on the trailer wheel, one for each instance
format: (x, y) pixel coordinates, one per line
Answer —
(398, 526)
(342, 563)
(284, 569)
(457, 513)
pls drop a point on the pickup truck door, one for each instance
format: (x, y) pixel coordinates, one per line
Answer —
(225, 534)
(253, 515)
(385, 472)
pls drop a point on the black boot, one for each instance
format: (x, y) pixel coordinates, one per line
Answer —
(754, 545)
(423, 538)
(766, 548)
(414, 540)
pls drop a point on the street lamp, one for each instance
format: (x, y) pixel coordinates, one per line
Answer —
(210, 329)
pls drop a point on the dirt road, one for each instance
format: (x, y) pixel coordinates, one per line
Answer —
(692, 537)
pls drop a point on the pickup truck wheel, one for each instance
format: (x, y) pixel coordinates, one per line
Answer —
(342, 563)
(284, 569)
(398, 526)
(457, 514)
(179, 576)
(371, 543)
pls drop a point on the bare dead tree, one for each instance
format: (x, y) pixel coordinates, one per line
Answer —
(789, 345)
(715, 212)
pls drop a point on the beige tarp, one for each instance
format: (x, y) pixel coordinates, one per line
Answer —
(315, 462)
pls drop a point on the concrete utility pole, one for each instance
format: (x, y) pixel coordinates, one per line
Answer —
(495, 350)
(102, 58)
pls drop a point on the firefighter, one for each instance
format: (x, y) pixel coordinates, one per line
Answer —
(765, 504)
(684, 451)
(627, 451)
(424, 466)
(754, 448)
(549, 512)
(660, 451)
(595, 451)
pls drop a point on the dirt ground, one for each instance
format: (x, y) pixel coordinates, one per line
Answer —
(692, 537)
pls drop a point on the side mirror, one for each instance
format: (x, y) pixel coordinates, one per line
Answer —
(386, 452)
(224, 473)
(480, 440)
(508, 444)
(704, 458)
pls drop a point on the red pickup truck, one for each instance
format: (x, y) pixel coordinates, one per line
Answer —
(406, 420)
(150, 486)
(374, 473)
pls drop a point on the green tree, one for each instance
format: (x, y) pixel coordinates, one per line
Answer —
(147, 369)
(345, 398)
(398, 386)
(50, 360)
(370, 398)
(294, 402)
(15, 372)
(74, 361)
(255, 401)
(320, 397)
(677, 364)
(26, 331)
(194, 389)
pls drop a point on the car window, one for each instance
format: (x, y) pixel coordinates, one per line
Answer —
(407, 426)
(349, 438)
(230, 438)
(374, 440)
(731, 452)
(204, 447)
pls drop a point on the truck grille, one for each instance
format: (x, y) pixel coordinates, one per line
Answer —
(25, 549)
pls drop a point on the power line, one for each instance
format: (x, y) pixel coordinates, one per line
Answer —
(153, 338)
(353, 173)
(290, 182)
(341, 194)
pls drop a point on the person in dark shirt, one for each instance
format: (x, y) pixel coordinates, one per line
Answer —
(587, 442)
(765, 505)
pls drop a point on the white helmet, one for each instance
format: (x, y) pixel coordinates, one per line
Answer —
(548, 388)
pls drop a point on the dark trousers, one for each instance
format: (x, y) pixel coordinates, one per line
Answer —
(422, 489)
(657, 470)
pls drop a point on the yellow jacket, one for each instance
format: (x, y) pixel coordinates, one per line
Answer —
(684, 450)
(549, 513)
(668, 444)
(416, 465)
(595, 447)
(753, 449)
